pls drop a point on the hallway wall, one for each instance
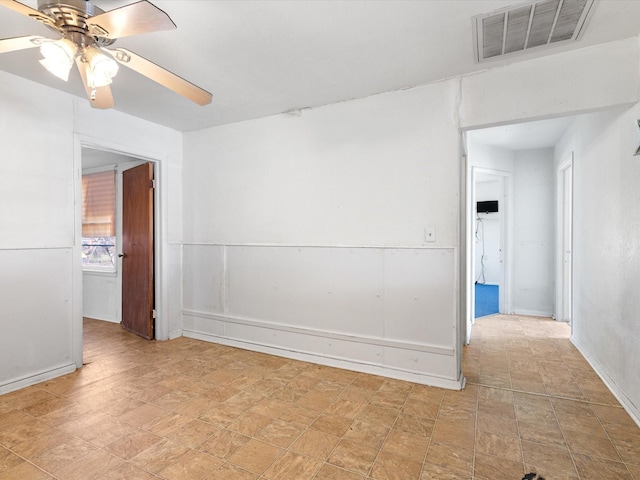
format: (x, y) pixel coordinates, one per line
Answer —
(606, 257)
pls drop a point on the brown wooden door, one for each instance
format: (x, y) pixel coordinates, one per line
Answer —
(137, 250)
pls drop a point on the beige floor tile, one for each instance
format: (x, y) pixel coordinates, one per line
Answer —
(145, 416)
(90, 467)
(497, 467)
(280, 432)
(432, 472)
(256, 456)
(367, 433)
(23, 471)
(38, 444)
(331, 472)
(498, 424)
(626, 440)
(353, 456)
(594, 443)
(315, 444)
(192, 434)
(507, 447)
(451, 459)
(408, 445)
(231, 472)
(389, 466)
(380, 416)
(192, 465)
(224, 443)
(63, 454)
(300, 415)
(293, 466)
(634, 470)
(130, 445)
(20, 429)
(332, 424)
(159, 456)
(8, 459)
(548, 461)
(423, 408)
(541, 432)
(454, 435)
(590, 468)
(126, 471)
(412, 424)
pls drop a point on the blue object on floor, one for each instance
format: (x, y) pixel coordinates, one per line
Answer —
(486, 300)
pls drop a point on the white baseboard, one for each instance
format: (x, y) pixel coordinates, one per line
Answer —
(627, 404)
(533, 313)
(312, 346)
(32, 379)
(173, 334)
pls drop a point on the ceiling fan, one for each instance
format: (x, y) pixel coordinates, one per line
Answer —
(85, 31)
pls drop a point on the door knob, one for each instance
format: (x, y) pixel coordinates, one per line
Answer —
(120, 255)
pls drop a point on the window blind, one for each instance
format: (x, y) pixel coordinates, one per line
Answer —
(99, 204)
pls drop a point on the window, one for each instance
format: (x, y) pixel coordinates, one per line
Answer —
(98, 220)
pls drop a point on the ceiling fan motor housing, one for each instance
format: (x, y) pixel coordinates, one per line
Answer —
(70, 17)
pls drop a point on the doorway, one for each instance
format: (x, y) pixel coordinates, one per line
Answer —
(114, 296)
(490, 206)
(524, 155)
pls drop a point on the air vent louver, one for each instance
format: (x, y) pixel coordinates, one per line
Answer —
(518, 29)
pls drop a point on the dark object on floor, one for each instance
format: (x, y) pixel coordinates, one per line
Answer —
(486, 300)
(532, 476)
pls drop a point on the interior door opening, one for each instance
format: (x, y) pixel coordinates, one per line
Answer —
(535, 224)
(104, 293)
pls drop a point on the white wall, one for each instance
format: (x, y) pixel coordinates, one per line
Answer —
(606, 257)
(305, 235)
(36, 233)
(533, 290)
(40, 274)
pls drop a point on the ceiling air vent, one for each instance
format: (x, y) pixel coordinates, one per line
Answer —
(520, 28)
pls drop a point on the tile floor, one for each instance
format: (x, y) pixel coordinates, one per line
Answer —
(186, 409)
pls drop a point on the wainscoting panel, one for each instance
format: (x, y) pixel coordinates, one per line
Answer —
(389, 311)
(36, 339)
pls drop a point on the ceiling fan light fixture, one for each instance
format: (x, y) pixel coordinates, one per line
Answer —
(102, 67)
(58, 57)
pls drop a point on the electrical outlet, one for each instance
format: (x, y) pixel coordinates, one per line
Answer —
(430, 234)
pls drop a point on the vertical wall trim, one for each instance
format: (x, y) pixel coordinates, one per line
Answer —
(76, 262)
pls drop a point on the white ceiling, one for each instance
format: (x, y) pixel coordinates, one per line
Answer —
(266, 57)
(523, 136)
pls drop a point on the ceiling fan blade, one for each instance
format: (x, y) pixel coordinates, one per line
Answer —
(28, 11)
(20, 43)
(99, 97)
(161, 76)
(133, 19)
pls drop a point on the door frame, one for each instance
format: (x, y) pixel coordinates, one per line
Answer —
(162, 323)
(505, 216)
(564, 240)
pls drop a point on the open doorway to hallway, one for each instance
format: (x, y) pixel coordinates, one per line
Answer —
(514, 246)
(122, 290)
